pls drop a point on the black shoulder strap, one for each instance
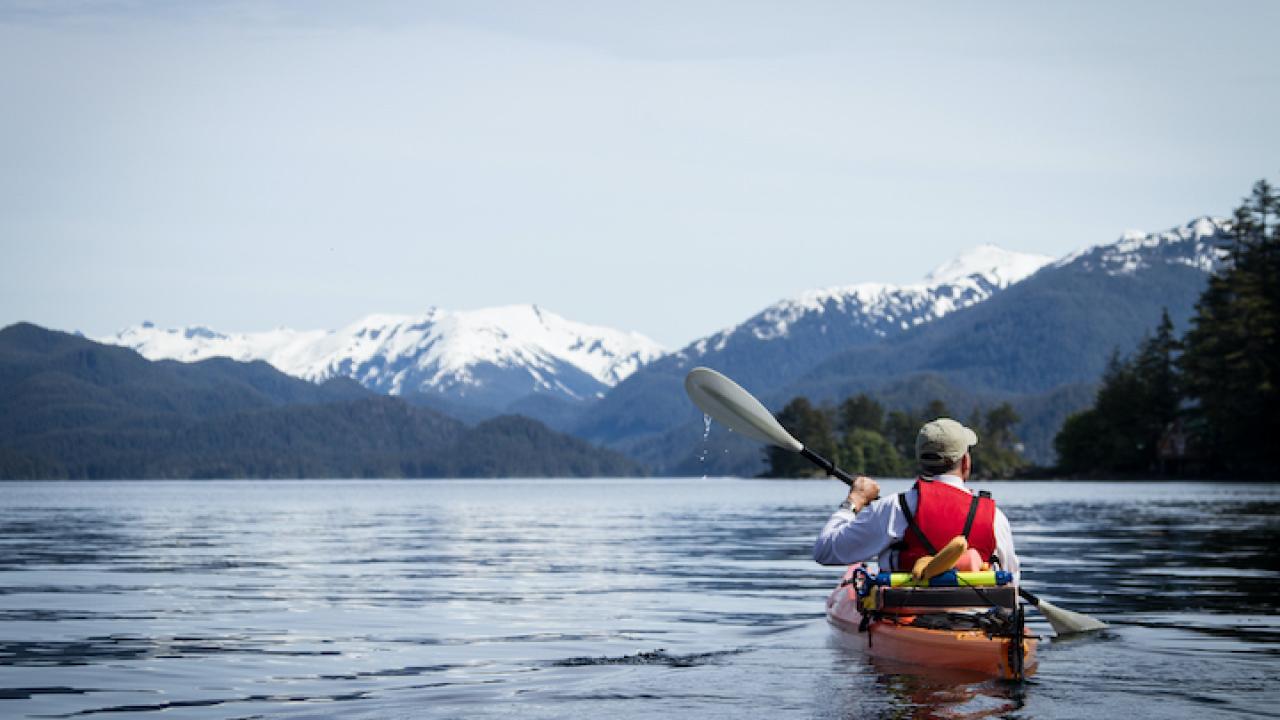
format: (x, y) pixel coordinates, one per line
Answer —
(911, 523)
(973, 512)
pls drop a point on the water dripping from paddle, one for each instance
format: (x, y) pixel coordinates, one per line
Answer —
(706, 434)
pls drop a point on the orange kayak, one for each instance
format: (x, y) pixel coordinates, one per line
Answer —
(958, 627)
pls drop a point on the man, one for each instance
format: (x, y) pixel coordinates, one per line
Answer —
(898, 530)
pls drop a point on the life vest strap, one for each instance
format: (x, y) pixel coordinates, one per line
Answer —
(911, 523)
(968, 521)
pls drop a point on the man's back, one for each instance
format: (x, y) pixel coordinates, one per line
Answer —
(871, 533)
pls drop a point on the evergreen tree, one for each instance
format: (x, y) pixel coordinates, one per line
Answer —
(1078, 443)
(861, 411)
(1160, 393)
(875, 443)
(1120, 403)
(811, 426)
(1136, 405)
(997, 453)
(999, 424)
(900, 429)
(1231, 363)
(868, 452)
(1226, 371)
(1115, 422)
(934, 410)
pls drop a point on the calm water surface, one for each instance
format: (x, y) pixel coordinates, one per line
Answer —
(594, 598)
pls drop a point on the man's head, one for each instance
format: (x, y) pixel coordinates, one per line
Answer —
(942, 445)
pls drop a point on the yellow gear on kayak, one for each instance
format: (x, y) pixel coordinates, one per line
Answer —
(982, 578)
(930, 566)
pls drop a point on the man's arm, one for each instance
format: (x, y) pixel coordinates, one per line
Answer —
(859, 533)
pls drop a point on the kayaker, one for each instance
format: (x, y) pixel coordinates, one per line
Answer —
(867, 527)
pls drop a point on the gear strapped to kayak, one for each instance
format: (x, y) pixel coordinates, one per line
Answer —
(960, 620)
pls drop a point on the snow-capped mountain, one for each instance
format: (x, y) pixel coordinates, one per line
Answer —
(785, 340)
(1032, 332)
(1060, 326)
(1201, 244)
(883, 309)
(489, 357)
(1042, 343)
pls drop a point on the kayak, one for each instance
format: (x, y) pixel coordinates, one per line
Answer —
(958, 620)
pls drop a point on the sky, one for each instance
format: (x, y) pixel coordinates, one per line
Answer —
(669, 168)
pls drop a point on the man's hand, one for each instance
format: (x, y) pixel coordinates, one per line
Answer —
(864, 490)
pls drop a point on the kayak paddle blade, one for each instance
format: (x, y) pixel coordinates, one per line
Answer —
(1066, 622)
(727, 403)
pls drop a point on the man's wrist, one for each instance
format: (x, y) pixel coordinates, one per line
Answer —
(856, 502)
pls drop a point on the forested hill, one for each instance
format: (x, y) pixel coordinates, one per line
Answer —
(73, 408)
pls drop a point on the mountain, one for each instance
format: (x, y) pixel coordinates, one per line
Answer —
(869, 311)
(1058, 327)
(785, 340)
(474, 364)
(73, 408)
(1200, 244)
(1044, 343)
(985, 329)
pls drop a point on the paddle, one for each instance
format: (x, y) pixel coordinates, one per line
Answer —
(725, 401)
(1064, 622)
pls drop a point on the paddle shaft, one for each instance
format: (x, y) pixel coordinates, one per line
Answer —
(827, 465)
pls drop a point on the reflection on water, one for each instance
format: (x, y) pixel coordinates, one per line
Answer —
(947, 695)
(590, 598)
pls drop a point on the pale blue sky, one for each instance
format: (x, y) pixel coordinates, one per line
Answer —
(663, 167)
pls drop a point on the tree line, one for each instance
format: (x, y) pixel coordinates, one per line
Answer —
(1204, 403)
(861, 437)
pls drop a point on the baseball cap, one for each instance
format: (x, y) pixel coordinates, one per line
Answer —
(941, 443)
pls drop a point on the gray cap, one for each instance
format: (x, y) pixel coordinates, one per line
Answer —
(941, 443)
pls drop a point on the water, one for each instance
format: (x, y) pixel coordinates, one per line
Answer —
(593, 598)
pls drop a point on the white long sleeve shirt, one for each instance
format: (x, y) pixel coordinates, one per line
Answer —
(868, 535)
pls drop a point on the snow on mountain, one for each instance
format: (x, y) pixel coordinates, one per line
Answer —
(494, 356)
(1001, 267)
(1201, 244)
(286, 349)
(883, 309)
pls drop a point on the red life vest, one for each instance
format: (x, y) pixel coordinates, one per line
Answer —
(942, 512)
